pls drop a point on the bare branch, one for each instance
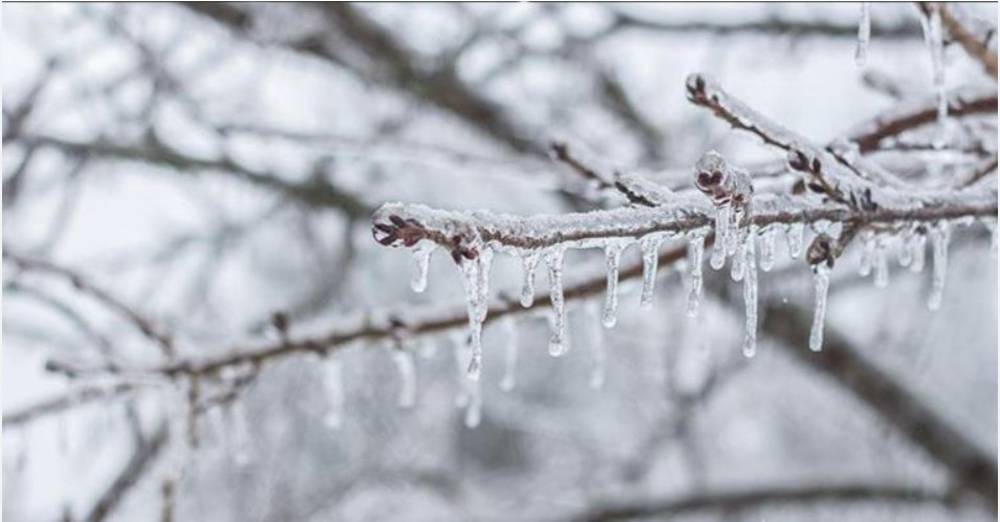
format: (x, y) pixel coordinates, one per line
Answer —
(144, 325)
(142, 458)
(740, 500)
(77, 397)
(972, 468)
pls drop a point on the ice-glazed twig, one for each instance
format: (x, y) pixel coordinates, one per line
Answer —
(401, 225)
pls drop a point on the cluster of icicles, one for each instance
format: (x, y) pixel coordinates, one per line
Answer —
(735, 240)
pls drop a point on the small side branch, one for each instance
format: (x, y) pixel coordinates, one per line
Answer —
(145, 325)
(740, 500)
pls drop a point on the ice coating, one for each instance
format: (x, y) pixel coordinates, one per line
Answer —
(422, 255)
(528, 264)
(650, 258)
(722, 219)
(612, 254)
(821, 284)
(750, 292)
(554, 262)
(940, 236)
(864, 35)
(796, 232)
(696, 251)
(767, 246)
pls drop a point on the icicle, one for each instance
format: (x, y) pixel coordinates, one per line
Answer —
(919, 246)
(334, 383)
(474, 411)
(722, 217)
(864, 35)
(991, 227)
(612, 253)
(528, 263)
(696, 251)
(422, 255)
(933, 36)
(881, 261)
(510, 367)
(767, 249)
(734, 238)
(750, 292)
(557, 343)
(940, 235)
(795, 239)
(597, 349)
(906, 249)
(407, 377)
(867, 253)
(650, 245)
(821, 282)
(477, 279)
(738, 267)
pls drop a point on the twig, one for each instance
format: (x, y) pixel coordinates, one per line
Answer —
(754, 498)
(146, 326)
(143, 456)
(70, 400)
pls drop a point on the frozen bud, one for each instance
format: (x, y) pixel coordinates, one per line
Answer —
(722, 182)
(395, 231)
(820, 251)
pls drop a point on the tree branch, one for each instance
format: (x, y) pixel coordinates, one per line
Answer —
(741, 500)
(143, 324)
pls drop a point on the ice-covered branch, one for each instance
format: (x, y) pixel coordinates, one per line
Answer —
(911, 115)
(973, 45)
(145, 453)
(759, 497)
(463, 234)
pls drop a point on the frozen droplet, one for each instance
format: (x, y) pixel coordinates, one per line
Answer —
(333, 382)
(738, 267)
(881, 262)
(906, 248)
(864, 35)
(750, 292)
(796, 231)
(919, 248)
(612, 253)
(821, 284)
(767, 242)
(422, 255)
(696, 251)
(722, 218)
(407, 378)
(940, 236)
(528, 264)
(476, 279)
(509, 379)
(554, 261)
(474, 410)
(991, 226)
(649, 245)
(934, 37)
(867, 253)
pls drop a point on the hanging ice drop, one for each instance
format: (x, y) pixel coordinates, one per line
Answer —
(821, 284)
